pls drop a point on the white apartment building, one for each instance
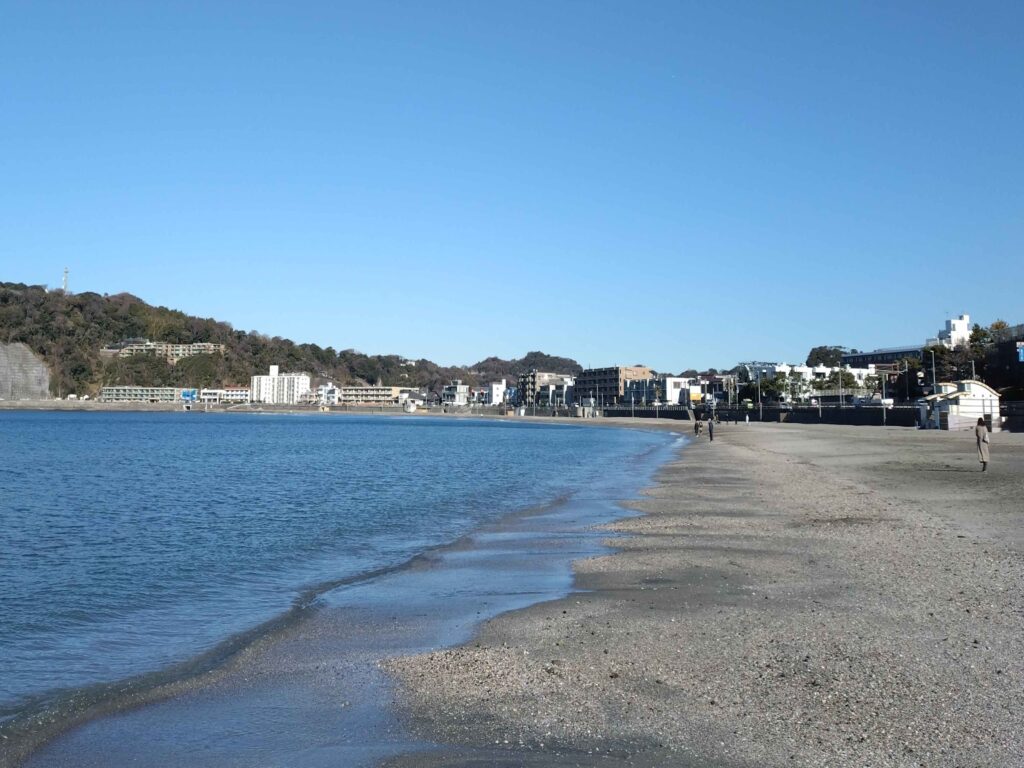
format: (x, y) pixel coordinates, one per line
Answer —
(496, 392)
(225, 395)
(327, 394)
(956, 332)
(235, 395)
(279, 388)
(810, 373)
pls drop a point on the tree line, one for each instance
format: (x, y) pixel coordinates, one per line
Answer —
(69, 330)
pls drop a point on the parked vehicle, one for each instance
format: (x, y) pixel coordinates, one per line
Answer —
(875, 401)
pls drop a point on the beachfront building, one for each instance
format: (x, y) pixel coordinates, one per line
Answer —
(556, 392)
(414, 397)
(279, 388)
(133, 394)
(722, 387)
(810, 374)
(235, 395)
(327, 394)
(958, 406)
(171, 352)
(455, 393)
(644, 391)
(231, 395)
(495, 394)
(608, 385)
(531, 383)
(368, 396)
(674, 390)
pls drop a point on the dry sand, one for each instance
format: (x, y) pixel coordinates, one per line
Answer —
(793, 596)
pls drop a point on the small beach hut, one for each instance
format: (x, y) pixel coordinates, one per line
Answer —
(958, 406)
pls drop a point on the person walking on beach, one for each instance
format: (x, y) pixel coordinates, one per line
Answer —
(981, 434)
(711, 431)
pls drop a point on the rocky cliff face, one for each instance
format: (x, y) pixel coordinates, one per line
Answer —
(23, 376)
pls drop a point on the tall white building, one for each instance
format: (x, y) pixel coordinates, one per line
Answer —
(956, 333)
(279, 388)
(496, 392)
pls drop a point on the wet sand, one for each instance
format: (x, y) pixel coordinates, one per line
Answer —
(794, 595)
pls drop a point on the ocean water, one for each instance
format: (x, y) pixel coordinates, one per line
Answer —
(131, 542)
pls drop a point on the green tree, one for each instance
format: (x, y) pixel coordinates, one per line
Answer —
(832, 381)
(830, 356)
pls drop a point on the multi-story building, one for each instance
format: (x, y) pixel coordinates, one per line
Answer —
(641, 391)
(956, 333)
(171, 352)
(368, 396)
(556, 393)
(235, 395)
(226, 395)
(607, 386)
(495, 394)
(133, 394)
(533, 383)
(279, 388)
(455, 393)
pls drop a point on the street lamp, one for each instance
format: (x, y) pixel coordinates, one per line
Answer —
(760, 403)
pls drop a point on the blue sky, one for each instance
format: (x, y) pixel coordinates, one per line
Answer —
(677, 184)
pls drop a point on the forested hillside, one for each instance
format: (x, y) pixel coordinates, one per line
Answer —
(68, 331)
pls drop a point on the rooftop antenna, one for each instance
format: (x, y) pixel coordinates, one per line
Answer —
(64, 285)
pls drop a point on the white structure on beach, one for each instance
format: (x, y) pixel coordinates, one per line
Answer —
(279, 388)
(958, 406)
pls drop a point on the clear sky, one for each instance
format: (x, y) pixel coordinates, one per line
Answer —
(677, 184)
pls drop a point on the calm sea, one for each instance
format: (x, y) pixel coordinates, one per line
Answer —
(131, 541)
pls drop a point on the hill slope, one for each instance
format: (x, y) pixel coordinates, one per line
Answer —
(68, 331)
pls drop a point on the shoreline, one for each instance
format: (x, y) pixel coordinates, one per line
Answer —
(797, 595)
(210, 669)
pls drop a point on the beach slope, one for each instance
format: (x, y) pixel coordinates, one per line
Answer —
(792, 595)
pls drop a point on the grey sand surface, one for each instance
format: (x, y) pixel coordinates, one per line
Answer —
(794, 595)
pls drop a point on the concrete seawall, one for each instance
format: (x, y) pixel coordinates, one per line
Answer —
(23, 376)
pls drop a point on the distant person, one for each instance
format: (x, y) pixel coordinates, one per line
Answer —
(746, 417)
(981, 433)
(711, 431)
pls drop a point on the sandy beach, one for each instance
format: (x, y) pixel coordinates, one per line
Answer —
(791, 595)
